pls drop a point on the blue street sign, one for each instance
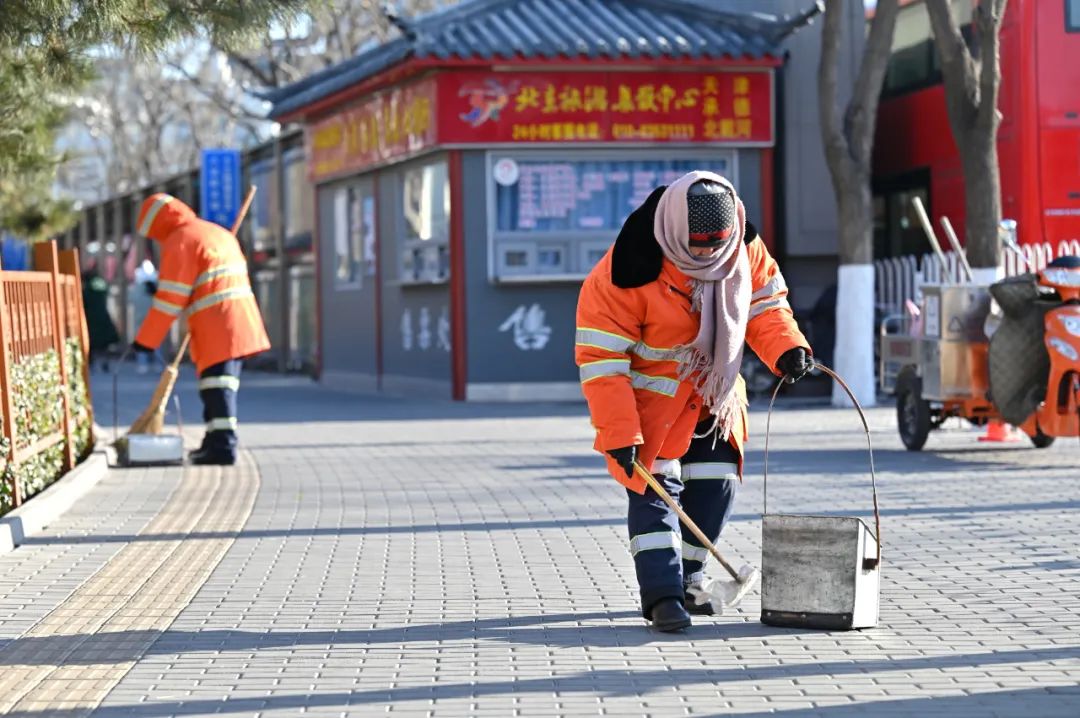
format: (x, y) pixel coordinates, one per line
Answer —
(219, 186)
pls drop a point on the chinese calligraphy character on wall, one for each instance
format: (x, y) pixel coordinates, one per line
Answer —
(529, 327)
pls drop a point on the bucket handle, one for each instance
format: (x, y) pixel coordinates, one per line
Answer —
(868, 563)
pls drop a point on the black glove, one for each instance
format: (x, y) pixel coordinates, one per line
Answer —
(139, 348)
(794, 364)
(624, 457)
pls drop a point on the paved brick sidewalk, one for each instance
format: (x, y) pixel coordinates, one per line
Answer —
(441, 559)
(74, 656)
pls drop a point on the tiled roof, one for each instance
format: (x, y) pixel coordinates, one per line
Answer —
(554, 29)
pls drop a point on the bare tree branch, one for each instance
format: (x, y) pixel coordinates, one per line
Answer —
(988, 17)
(971, 97)
(234, 110)
(828, 102)
(264, 78)
(848, 146)
(957, 64)
(861, 116)
(142, 140)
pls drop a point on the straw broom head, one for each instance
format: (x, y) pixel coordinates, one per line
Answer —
(152, 421)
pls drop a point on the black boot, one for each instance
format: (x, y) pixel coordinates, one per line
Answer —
(668, 615)
(695, 609)
(209, 457)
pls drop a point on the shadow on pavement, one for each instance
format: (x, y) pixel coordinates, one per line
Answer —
(942, 512)
(1035, 702)
(550, 630)
(543, 630)
(1042, 702)
(409, 529)
(272, 398)
(796, 463)
(857, 461)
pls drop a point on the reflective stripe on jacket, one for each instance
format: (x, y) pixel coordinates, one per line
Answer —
(624, 350)
(203, 275)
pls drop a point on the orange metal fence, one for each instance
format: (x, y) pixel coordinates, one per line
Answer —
(39, 311)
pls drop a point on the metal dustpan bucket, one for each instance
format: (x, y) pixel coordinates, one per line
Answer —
(820, 571)
(151, 449)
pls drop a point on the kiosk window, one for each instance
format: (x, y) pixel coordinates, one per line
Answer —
(298, 211)
(354, 235)
(425, 203)
(260, 175)
(559, 216)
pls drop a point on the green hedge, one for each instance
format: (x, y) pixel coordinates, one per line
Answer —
(38, 407)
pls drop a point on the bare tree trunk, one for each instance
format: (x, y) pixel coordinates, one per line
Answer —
(982, 200)
(971, 97)
(848, 152)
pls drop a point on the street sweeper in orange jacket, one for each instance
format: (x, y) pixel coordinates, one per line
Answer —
(662, 321)
(204, 275)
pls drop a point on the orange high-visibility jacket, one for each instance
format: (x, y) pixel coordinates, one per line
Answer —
(203, 273)
(634, 307)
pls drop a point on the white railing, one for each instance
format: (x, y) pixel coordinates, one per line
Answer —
(898, 279)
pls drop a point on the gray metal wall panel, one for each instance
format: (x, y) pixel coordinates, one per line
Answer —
(494, 354)
(413, 345)
(749, 183)
(500, 346)
(348, 314)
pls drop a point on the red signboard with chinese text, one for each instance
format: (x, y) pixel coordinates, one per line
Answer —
(389, 125)
(641, 107)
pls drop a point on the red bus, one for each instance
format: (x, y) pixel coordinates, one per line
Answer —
(1038, 141)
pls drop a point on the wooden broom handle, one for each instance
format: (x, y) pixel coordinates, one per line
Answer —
(175, 364)
(243, 210)
(235, 228)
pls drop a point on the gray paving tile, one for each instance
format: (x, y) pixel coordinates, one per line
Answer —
(415, 558)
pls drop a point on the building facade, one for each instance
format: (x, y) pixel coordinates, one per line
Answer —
(470, 173)
(424, 221)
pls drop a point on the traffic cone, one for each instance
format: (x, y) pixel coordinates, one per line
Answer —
(998, 431)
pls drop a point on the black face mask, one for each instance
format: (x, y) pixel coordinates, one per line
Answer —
(710, 209)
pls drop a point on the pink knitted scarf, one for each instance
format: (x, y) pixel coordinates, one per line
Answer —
(721, 293)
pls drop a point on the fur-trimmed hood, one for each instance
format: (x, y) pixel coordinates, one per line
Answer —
(637, 258)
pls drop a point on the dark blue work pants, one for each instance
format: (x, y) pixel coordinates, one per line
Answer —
(666, 554)
(218, 385)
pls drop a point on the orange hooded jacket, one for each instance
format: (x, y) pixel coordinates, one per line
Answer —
(203, 273)
(634, 307)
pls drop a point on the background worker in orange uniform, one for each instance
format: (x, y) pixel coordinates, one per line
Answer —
(203, 273)
(661, 324)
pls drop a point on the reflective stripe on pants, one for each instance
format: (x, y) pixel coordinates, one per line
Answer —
(664, 551)
(218, 385)
(711, 476)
